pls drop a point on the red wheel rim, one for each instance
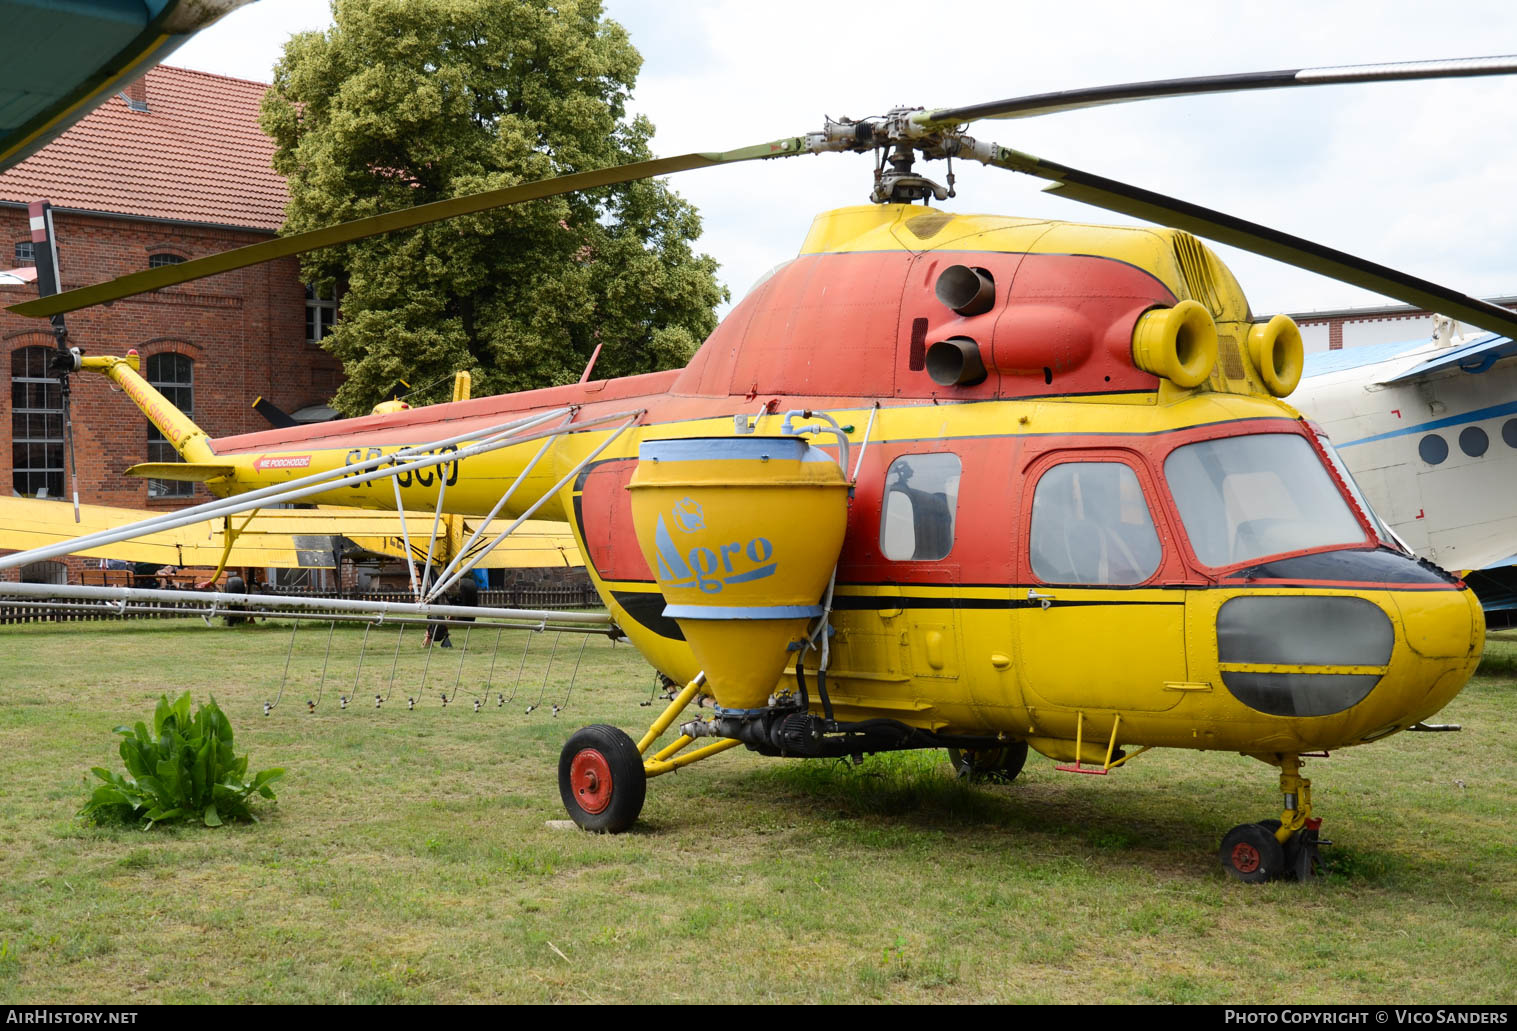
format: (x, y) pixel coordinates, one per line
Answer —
(1245, 857)
(590, 780)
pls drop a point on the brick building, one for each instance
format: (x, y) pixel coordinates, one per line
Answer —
(174, 169)
(1384, 324)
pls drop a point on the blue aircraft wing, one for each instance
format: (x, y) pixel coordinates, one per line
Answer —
(66, 57)
(1474, 356)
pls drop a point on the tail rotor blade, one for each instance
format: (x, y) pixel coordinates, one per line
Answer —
(277, 417)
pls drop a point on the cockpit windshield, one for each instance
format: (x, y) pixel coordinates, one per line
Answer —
(1387, 536)
(1242, 498)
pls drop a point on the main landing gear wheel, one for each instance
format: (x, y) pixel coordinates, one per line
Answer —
(1302, 860)
(1000, 765)
(1250, 853)
(601, 779)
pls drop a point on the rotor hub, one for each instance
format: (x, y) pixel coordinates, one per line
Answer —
(900, 137)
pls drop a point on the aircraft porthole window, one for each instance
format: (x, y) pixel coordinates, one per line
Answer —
(1509, 432)
(917, 516)
(1091, 525)
(1473, 441)
(1433, 449)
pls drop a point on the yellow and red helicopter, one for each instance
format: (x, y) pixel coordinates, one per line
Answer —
(962, 481)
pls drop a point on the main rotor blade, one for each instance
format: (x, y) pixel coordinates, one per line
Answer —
(406, 218)
(1099, 96)
(1249, 236)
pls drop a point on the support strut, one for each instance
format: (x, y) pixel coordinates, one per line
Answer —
(673, 709)
(1297, 793)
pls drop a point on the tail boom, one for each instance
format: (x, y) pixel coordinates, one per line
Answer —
(192, 443)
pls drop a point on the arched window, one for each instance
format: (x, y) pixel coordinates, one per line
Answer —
(36, 425)
(162, 259)
(44, 573)
(173, 376)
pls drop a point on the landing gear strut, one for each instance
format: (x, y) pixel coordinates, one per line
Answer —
(1277, 849)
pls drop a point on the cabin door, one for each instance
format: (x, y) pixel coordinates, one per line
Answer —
(1097, 629)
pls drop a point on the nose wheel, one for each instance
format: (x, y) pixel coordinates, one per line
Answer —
(1250, 853)
(1273, 849)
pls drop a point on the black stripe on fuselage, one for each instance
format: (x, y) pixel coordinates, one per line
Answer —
(865, 602)
(647, 607)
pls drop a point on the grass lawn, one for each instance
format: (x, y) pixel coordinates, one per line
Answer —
(410, 857)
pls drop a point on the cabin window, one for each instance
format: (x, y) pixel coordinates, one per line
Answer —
(1242, 498)
(917, 517)
(36, 425)
(1091, 525)
(173, 376)
(321, 311)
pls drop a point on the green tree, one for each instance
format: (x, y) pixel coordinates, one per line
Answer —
(405, 102)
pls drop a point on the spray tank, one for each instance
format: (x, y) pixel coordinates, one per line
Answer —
(743, 534)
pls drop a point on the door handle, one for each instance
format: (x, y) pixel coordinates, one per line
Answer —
(1043, 600)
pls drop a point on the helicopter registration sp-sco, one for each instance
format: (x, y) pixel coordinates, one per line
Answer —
(1054, 501)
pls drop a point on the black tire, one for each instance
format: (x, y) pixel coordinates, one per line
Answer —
(998, 765)
(1302, 859)
(601, 779)
(235, 585)
(1250, 853)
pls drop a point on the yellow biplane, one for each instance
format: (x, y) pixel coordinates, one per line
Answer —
(272, 538)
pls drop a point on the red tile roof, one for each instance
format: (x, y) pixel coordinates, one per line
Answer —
(196, 155)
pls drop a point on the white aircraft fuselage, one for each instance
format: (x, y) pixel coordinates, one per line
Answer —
(1429, 431)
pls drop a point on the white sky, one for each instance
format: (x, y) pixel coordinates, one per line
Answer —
(1416, 176)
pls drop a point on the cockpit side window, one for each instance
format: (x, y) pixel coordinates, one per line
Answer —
(921, 498)
(1091, 525)
(1245, 497)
